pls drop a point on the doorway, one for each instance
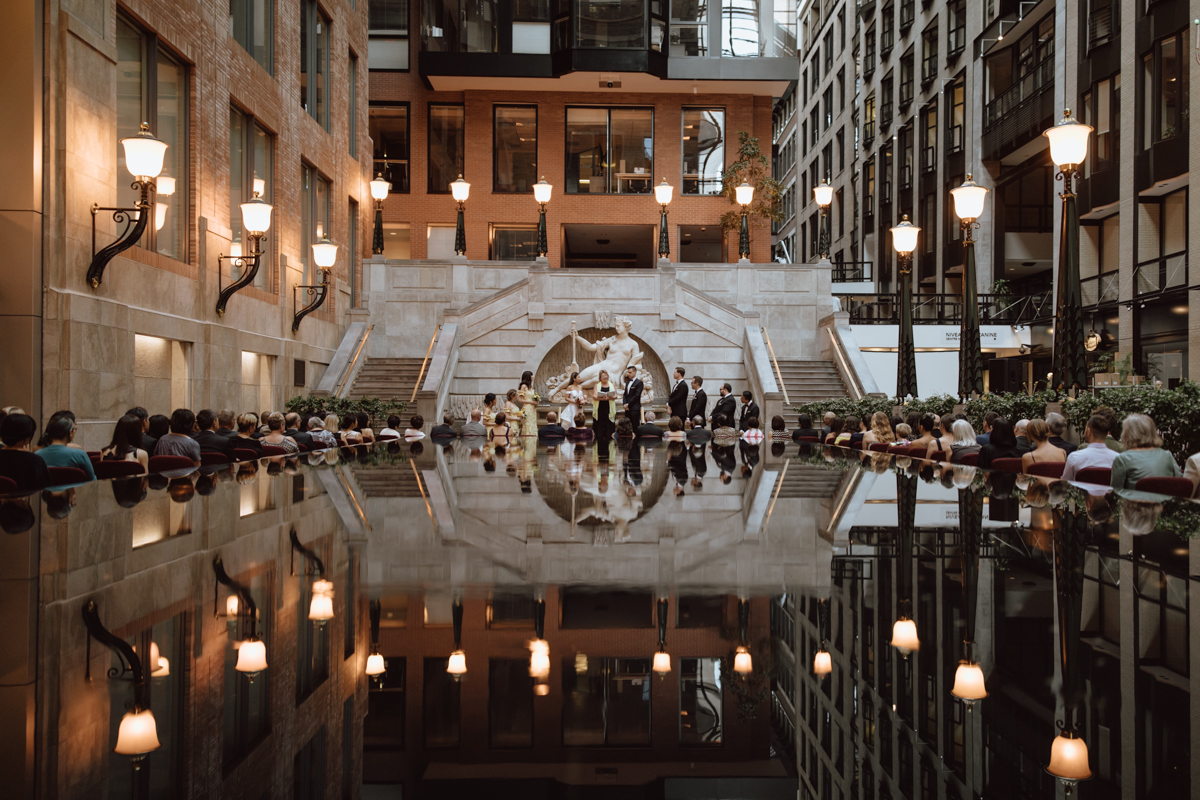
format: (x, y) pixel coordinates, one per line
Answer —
(609, 246)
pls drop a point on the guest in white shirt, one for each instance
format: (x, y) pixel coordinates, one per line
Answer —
(413, 432)
(393, 427)
(1095, 453)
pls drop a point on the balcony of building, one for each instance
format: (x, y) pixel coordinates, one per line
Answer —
(1020, 83)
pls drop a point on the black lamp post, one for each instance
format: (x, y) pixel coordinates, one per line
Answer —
(460, 190)
(456, 665)
(904, 630)
(745, 195)
(904, 240)
(662, 659)
(662, 193)
(968, 205)
(968, 678)
(541, 193)
(823, 194)
(379, 191)
(375, 663)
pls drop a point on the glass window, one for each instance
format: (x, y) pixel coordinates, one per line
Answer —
(251, 168)
(314, 214)
(514, 242)
(514, 153)
(869, 51)
(308, 769)
(445, 161)
(906, 79)
(441, 705)
(689, 29)
(610, 151)
(1172, 100)
(701, 704)
(703, 150)
(312, 646)
(785, 28)
(606, 701)
(144, 66)
(929, 53)
(739, 27)
(887, 29)
(352, 106)
(352, 254)
(383, 727)
(929, 143)
(611, 24)
(251, 24)
(314, 62)
(389, 131)
(510, 703)
(388, 44)
(869, 118)
(956, 33)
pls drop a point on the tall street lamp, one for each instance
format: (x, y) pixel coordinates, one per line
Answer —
(379, 191)
(823, 194)
(662, 193)
(456, 664)
(904, 239)
(745, 195)
(1068, 149)
(541, 193)
(460, 189)
(968, 205)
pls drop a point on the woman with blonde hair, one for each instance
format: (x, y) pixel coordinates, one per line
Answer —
(331, 423)
(881, 430)
(1143, 456)
(1043, 451)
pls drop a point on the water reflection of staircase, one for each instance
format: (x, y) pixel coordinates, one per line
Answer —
(399, 481)
(808, 481)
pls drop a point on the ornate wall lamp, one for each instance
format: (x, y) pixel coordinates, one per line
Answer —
(325, 256)
(541, 193)
(256, 221)
(379, 191)
(823, 194)
(662, 659)
(745, 195)
(138, 735)
(743, 664)
(144, 160)
(376, 666)
(252, 652)
(460, 190)
(662, 193)
(320, 608)
(456, 664)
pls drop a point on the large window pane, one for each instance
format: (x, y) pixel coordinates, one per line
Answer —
(701, 707)
(251, 24)
(514, 243)
(441, 709)
(587, 150)
(515, 152)
(314, 215)
(389, 132)
(739, 27)
(631, 135)
(246, 707)
(389, 15)
(314, 62)
(785, 32)
(510, 703)
(606, 701)
(703, 150)
(610, 24)
(251, 167)
(312, 646)
(1170, 94)
(383, 727)
(445, 147)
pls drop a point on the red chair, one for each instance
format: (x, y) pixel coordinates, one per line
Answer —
(391, 438)
(272, 450)
(117, 469)
(856, 445)
(7, 485)
(62, 476)
(1175, 487)
(937, 455)
(244, 454)
(1100, 476)
(1047, 470)
(917, 452)
(1007, 465)
(303, 447)
(164, 463)
(878, 447)
(899, 449)
(213, 459)
(970, 460)
(94, 454)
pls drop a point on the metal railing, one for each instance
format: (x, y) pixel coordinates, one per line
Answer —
(353, 361)
(1098, 289)
(1161, 274)
(851, 271)
(946, 309)
(1025, 89)
(775, 364)
(425, 363)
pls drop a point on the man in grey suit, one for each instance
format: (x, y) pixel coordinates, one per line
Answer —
(474, 426)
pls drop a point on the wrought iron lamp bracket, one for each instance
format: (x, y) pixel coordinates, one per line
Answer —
(249, 263)
(246, 606)
(135, 225)
(319, 291)
(131, 664)
(308, 554)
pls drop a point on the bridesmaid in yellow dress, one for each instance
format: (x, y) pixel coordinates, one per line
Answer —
(527, 399)
(512, 410)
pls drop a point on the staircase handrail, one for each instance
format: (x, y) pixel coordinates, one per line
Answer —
(348, 372)
(424, 363)
(775, 363)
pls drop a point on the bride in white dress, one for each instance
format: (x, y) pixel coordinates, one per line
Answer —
(575, 398)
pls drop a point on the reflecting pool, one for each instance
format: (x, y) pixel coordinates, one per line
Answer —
(569, 621)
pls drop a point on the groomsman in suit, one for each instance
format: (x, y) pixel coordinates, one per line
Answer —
(632, 401)
(700, 401)
(726, 405)
(677, 402)
(749, 409)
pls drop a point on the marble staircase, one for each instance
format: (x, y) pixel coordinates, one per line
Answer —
(387, 378)
(808, 382)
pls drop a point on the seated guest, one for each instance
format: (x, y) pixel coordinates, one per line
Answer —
(926, 426)
(913, 418)
(835, 430)
(1095, 452)
(881, 431)
(157, 426)
(350, 436)
(393, 427)
(331, 423)
(675, 432)
(854, 426)
(321, 438)
(1143, 456)
(964, 441)
(624, 428)
(16, 462)
(263, 429)
(1021, 429)
(245, 439)
(552, 430)
(143, 416)
(226, 423)
(291, 427)
(989, 419)
(208, 438)
(126, 442)
(723, 433)
(828, 425)
(276, 437)
(648, 430)
(1191, 471)
(806, 430)
(753, 433)
(60, 432)
(903, 434)
(501, 432)
(472, 427)
(446, 429)
(779, 431)
(45, 440)
(178, 441)
(1111, 441)
(413, 431)
(364, 426)
(698, 432)
(1001, 444)
(1058, 426)
(946, 426)
(1043, 452)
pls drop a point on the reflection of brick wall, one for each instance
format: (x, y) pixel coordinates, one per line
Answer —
(743, 741)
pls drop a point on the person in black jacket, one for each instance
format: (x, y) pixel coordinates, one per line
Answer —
(699, 401)
(806, 430)
(726, 405)
(677, 401)
(292, 424)
(648, 430)
(749, 409)
(148, 441)
(445, 430)
(246, 440)
(632, 400)
(552, 431)
(28, 470)
(207, 437)
(227, 423)
(1002, 444)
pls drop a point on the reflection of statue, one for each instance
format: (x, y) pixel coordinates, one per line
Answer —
(613, 354)
(615, 502)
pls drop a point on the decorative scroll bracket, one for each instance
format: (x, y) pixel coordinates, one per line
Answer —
(248, 263)
(319, 291)
(135, 225)
(308, 554)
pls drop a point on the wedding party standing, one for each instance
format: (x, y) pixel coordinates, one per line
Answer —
(677, 401)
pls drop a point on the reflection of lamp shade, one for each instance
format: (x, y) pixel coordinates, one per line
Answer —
(256, 215)
(456, 665)
(742, 663)
(320, 609)
(322, 586)
(968, 682)
(542, 191)
(160, 215)
(1068, 141)
(375, 665)
(662, 662)
(822, 663)
(260, 187)
(1069, 758)
(541, 689)
(904, 636)
(165, 185)
(904, 236)
(823, 193)
(745, 194)
(163, 670)
(460, 189)
(539, 665)
(325, 253)
(138, 734)
(235, 251)
(380, 187)
(968, 199)
(252, 657)
(663, 192)
(144, 154)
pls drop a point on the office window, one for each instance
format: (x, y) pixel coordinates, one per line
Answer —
(869, 118)
(314, 62)
(352, 255)
(906, 78)
(956, 117)
(610, 150)
(887, 30)
(388, 127)
(1103, 21)
(153, 88)
(827, 100)
(956, 32)
(514, 151)
(839, 202)
(514, 242)
(841, 15)
(929, 52)
(388, 30)
(510, 703)
(1165, 87)
(689, 29)
(606, 701)
(928, 212)
(701, 702)
(704, 150)
(613, 25)
(841, 86)
(739, 28)
(841, 149)
(885, 102)
(907, 13)
(252, 25)
(929, 138)
(1102, 110)
(869, 50)
(828, 46)
(804, 85)
(352, 106)
(885, 174)
(445, 162)
(814, 126)
(383, 727)
(251, 168)
(827, 162)
(442, 707)
(314, 215)
(906, 157)
(312, 645)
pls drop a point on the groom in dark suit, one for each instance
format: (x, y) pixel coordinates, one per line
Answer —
(632, 401)
(700, 401)
(726, 406)
(677, 402)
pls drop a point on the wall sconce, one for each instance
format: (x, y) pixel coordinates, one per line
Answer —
(252, 652)
(662, 659)
(256, 221)
(376, 666)
(325, 256)
(144, 160)
(320, 608)
(138, 735)
(379, 192)
(456, 664)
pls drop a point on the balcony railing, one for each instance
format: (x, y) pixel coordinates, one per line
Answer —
(946, 309)
(1161, 274)
(1099, 289)
(851, 271)
(928, 158)
(1026, 89)
(1103, 25)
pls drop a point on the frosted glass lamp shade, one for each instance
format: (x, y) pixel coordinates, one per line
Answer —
(539, 665)
(160, 215)
(742, 663)
(138, 734)
(904, 236)
(1069, 758)
(662, 662)
(968, 199)
(1068, 140)
(320, 609)
(252, 657)
(231, 602)
(822, 663)
(144, 154)
(541, 689)
(823, 193)
(456, 665)
(745, 194)
(542, 191)
(165, 185)
(904, 636)
(380, 187)
(460, 189)
(663, 192)
(375, 665)
(256, 216)
(968, 682)
(325, 254)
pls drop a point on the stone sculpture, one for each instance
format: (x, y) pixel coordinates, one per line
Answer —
(613, 354)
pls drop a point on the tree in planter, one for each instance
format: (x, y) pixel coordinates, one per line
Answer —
(755, 169)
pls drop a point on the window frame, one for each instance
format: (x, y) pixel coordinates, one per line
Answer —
(265, 279)
(317, 105)
(385, 34)
(429, 144)
(496, 150)
(408, 116)
(956, 34)
(929, 52)
(787, 151)
(314, 217)
(608, 143)
(247, 31)
(352, 103)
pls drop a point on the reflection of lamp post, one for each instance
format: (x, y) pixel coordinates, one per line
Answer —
(1069, 752)
(745, 194)
(662, 193)
(460, 189)
(376, 666)
(743, 664)
(1068, 149)
(968, 678)
(320, 608)
(256, 221)
(252, 652)
(823, 194)
(456, 664)
(379, 191)
(539, 651)
(822, 661)
(662, 659)
(968, 205)
(541, 193)
(904, 239)
(904, 631)
(325, 256)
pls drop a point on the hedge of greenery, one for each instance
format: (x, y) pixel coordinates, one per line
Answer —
(376, 408)
(1176, 411)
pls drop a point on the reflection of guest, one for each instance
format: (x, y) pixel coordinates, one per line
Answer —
(633, 465)
(724, 458)
(699, 466)
(749, 457)
(604, 394)
(632, 401)
(677, 463)
(726, 406)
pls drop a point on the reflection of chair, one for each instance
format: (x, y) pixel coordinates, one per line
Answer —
(1176, 487)
(61, 476)
(272, 450)
(856, 445)
(163, 463)
(1101, 476)
(117, 469)
(7, 485)
(937, 455)
(878, 447)
(213, 459)
(1047, 470)
(1007, 465)
(244, 454)
(970, 460)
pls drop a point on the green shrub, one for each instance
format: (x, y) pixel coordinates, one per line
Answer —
(937, 405)
(1012, 407)
(375, 408)
(863, 408)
